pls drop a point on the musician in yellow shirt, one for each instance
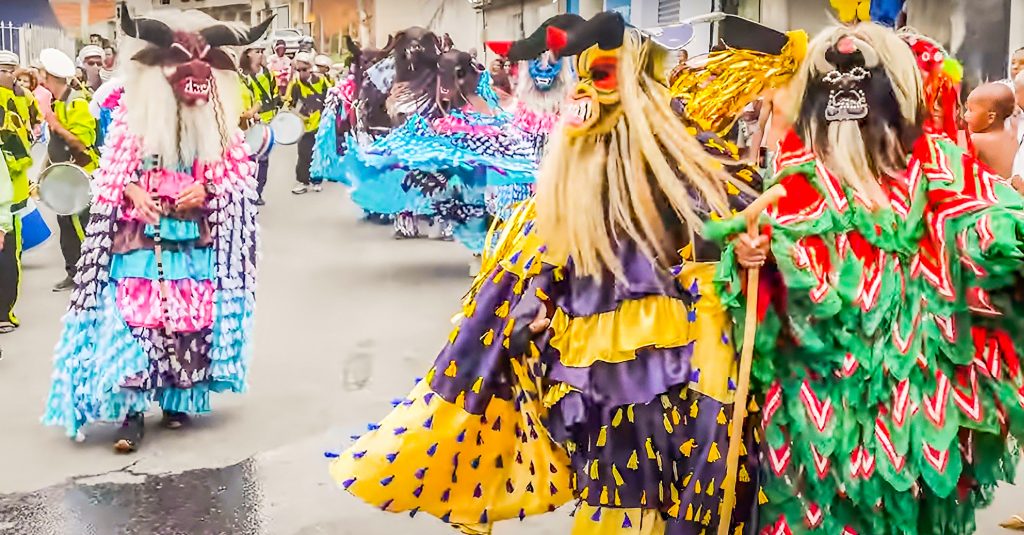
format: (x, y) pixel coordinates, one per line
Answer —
(15, 136)
(305, 95)
(72, 139)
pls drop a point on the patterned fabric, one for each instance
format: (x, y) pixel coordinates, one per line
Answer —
(625, 406)
(115, 355)
(448, 165)
(886, 343)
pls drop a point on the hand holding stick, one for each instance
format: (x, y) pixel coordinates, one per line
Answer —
(752, 214)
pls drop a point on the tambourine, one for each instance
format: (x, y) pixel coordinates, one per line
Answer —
(65, 188)
(288, 128)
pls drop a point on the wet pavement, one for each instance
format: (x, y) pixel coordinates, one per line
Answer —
(347, 318)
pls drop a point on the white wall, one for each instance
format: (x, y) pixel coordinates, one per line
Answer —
(645, 15)
(456, 17)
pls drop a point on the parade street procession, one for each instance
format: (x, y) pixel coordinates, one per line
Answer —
(726, 276)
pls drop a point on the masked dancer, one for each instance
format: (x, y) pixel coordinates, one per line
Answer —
(163, 303)
(887, 354)
(588, 362)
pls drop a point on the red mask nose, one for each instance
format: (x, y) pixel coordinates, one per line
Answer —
(198, 69)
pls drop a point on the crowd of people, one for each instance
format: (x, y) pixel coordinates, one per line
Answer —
(772, 289)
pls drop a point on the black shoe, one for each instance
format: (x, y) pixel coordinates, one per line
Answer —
(129, 437)
(174, 420)
(67, 284)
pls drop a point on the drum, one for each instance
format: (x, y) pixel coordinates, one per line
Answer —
(260, 139)
(38, 154)
(34, 230)
(65, 188)
(288, 128)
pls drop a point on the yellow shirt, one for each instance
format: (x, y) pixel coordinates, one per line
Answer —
(263, 86)
(15, 139)
(73, 113)
(310, 97)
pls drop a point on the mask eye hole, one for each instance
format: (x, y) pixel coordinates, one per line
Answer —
(603, 72)
(460, 72)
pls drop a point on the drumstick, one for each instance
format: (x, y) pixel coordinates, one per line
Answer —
(739, 410)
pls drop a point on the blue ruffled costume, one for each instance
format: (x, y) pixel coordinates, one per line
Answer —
(443, 170)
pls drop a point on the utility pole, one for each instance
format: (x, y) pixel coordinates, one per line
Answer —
(85, 20)
(364, 39)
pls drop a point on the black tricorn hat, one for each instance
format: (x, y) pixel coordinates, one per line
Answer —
(606, 30)
(745, 34)
(537, 43)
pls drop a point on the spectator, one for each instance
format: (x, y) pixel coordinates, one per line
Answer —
(281, 65)
(90, 59)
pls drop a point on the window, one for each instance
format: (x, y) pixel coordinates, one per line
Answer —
(668, 11)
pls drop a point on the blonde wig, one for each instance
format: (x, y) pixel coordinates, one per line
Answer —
(855, 159)
(639, 182)
(179, 134)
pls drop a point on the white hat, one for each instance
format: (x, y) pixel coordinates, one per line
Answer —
(322, 61)
(257, 45)
(57, 63)
(89, 51)
(9, 58)
(304, 57)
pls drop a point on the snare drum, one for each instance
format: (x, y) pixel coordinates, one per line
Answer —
(260, 139)
(288, 128)
(65, 188)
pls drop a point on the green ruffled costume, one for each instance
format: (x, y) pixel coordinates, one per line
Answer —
(887, 346)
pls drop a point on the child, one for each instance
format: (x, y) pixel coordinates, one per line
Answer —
(995, 141)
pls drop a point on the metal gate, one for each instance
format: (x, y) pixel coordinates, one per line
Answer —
(29, 40)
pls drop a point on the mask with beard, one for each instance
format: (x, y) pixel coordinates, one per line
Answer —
(623, 167)
(544, 72)
(187, 59)
(861, 107)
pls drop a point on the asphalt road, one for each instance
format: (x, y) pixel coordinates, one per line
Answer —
(347, 319)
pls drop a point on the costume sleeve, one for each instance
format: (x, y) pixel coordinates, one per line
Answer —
(477, 392)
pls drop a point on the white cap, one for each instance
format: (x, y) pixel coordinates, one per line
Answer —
(9, 58)
(89, 51)
(322, 61)
(57, 63)
(304, 57)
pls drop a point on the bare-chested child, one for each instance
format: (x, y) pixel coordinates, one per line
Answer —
(995, 139)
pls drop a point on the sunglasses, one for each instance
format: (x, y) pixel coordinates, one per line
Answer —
(302, 69)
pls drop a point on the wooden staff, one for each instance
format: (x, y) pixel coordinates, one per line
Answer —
(739, 411)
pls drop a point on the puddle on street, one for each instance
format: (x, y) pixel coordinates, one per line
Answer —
(204, 502)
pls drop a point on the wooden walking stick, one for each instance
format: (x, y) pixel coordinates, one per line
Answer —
(739, 411)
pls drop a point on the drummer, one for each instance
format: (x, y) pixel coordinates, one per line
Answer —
(323, 66)
(15, 135)
(72, 139)
(262, 86)
(305, 96)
